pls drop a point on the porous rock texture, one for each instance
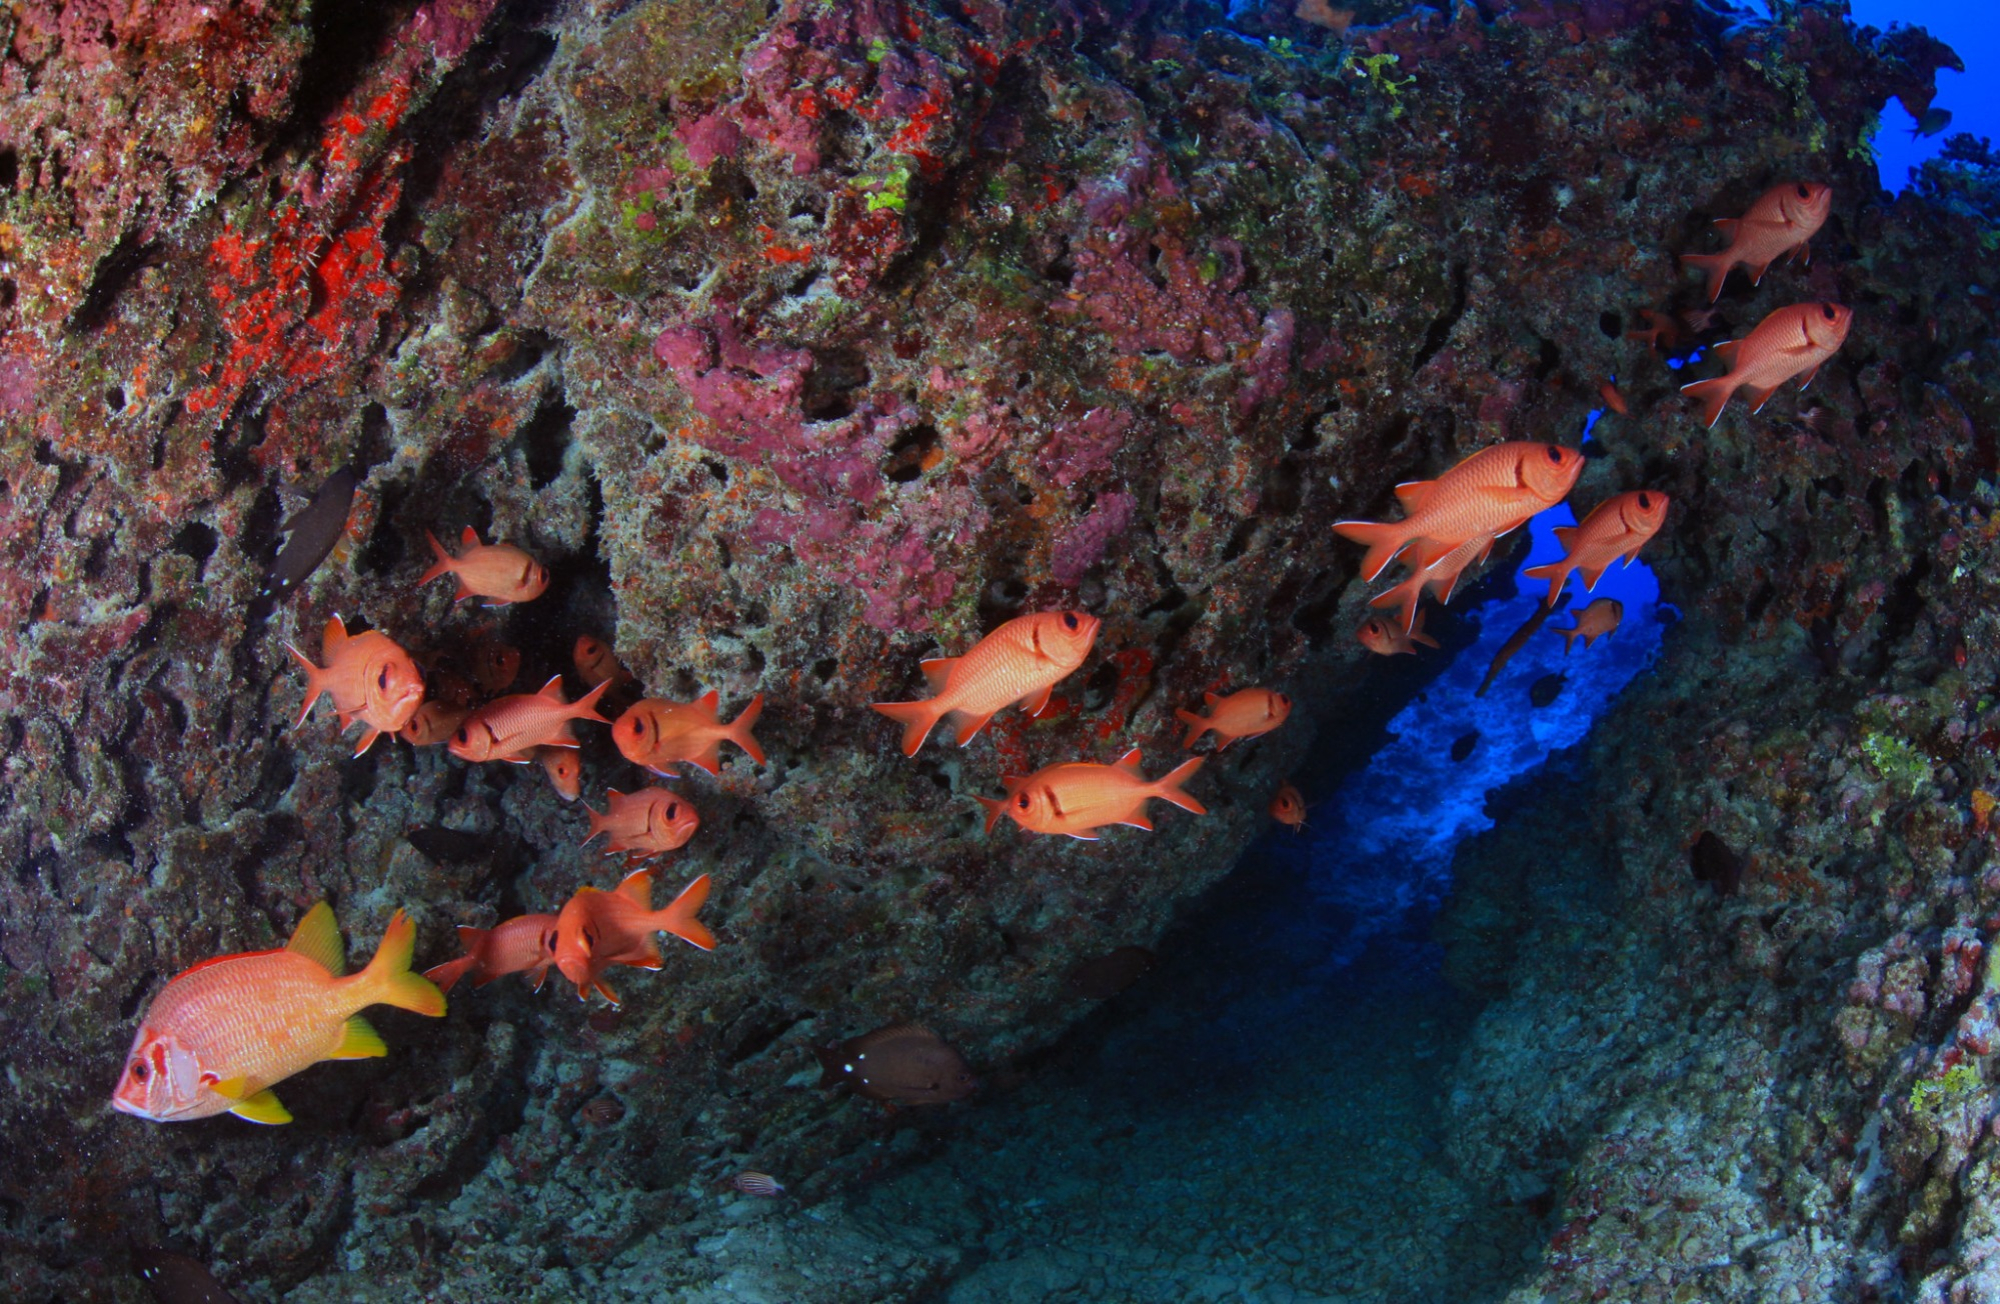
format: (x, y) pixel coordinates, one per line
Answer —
(802, 341)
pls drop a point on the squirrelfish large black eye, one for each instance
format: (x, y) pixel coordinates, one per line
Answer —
(1826, 311)
(382, 680)
(139, 1071)
(464, 735)
(548, 941)
(1555, 454)
(1069, 620)
(673, 809)
(1804, 193)
(1645, 503)
(1022, 801)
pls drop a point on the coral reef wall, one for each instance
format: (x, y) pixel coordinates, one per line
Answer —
(801, 343)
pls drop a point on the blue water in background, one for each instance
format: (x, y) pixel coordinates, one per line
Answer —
(1379, 850)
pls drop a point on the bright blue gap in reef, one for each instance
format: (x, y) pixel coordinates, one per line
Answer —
(1379, 850)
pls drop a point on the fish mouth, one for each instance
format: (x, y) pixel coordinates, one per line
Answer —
(125, 1106)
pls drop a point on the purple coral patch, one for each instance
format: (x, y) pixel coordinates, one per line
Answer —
(1082, 545)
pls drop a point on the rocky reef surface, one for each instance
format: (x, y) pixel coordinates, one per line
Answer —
(803, 341)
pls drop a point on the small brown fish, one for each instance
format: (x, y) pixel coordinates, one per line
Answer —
(1289, 808)
(433, 722)
(1519, 639)
(312, 531)
(1544, 691)
(498, 572)
(1385, 637)
(1595, 621)
(565, 769)
(762, 1185)
(902, 1063)
(177, 1279)
(1662, 331)
(649, 822)
(1613, 399)
(1102, 978)
(495, 666)
(597, 663)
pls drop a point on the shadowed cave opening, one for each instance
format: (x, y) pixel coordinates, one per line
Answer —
(1270, 1106)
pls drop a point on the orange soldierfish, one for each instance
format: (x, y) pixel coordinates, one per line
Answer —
(644, 823)
(1245, 714)
(597, 663)
(1782, 221)
(498, 572)
(599, 929)
(495, 666)
(1613, 399)
(1616, 528)
(221, 1034)
(510, 728)
(1595, 621)
(1080, 797)
(1491, 492)
(1289, 808)
(1790, 342)
(565, 770)
(368, 677)
(523, 944)
(1441, 577)
(431, 723)
(1387, 638)
(657, 734)
(1021, 661)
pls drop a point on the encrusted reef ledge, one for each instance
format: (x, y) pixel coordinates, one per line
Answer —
(804, 341)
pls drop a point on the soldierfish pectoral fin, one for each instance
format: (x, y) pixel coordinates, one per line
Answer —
(358, 1040)
(1811, 376)
(602, 990)
(262, 1108)
(317, 938)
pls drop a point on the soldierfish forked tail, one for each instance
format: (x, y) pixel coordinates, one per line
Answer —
(443, 564)
(1713, 396)
(1714, 266)
(446, 975)
(315, 684)
(678, 917)
(1168, 787)
(1383, 539)
(917, 719)
(1197, 724)
(740, 727)
(1555, 572)
(388, 979)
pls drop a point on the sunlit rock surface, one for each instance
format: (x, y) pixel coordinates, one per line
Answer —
(803, 343)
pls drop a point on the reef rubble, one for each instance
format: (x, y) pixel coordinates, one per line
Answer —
(802, 342)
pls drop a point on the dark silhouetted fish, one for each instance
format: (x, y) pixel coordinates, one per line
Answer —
(177, 1279)
(1518, 639)
(496, 666)
(1715, 864)
(314, 530)
(1546, 689)
(453, 846)
(903, 1063)
(1109, 974)
(1462, 746)
(1933, 121)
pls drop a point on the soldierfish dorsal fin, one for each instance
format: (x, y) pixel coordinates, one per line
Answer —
(1208, 699)
(317, 938)
(469, 538)
(936, 671)
(552, 690)
(1725, 352)
(1412, 494)
(1728, 226)
(637, 887)
(1564, 533)
(1130, 760)
(332, 637)
(708, 702)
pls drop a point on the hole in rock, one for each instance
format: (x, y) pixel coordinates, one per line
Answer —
(831, 385)
(914, 451)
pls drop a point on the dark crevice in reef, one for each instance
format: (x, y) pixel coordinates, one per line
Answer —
(1438, 333)
(344, 40)
(109, 279)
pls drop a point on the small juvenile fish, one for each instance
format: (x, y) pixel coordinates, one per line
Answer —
(1289, 808)
(1518, 639)
(177, 1279)
(219, 1035)
(1079, 797)
(1020, 662)
(1662, 331)
(1595, 621)
(762, 1185)
(495, 666)
(1781, 223)
(1105, 976)
(313, 530)
(1613, 399)
(1714, 863)
(1790, 342)
(499, 572)
(1385, 637)
(1440, 577)
(1615, 530)
(1461, 747)
(599, 929)
(431, 723)
(368, 677)
(1245, 714)
(1491, 492)
(645, 823)
(524, 944)
(510, 728)
(902, 1063)
(597, 663)
(565, 770)
(659, 734)
(1933, 122)
(1546, 689)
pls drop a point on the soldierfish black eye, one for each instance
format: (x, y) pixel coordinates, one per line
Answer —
(1069, 620)
(139, 1070)
(463, 735)
(1022, 801)
(1555, 454)
(673, 809)
(1645, 503)
(1826, 311)
(382, 680)
(1804, 193)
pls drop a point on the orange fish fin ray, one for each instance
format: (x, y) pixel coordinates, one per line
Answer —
(1137, 821)
(317, 938)
(679, 917)
(1129, 761)
(1564, 533)
(1757, 397)
(358, 1040)
(1084, 837)
(441, 566)
(1715, 267)
(1197, 726)
(1383, 539)
(446, 975)
(637, 887)
(936, 671)
(1725, 352)
(602, 990)
(315, 684)
(1592, 574)
(1811, 376)
(332, 637)
(1168, 787)
(1728, 226)
(367, 740)
(917, 719)
(970, 726)
(1713, 395)
(596, 824)
(709, 703)
(1038, 701)
(995, 808)
(388, 979)
(262, 1107)
(1413, 494)
(553, 690)
(583, 708)
(740, 727)
(469, 538)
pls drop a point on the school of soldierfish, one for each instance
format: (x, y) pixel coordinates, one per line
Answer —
(219, 1036)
